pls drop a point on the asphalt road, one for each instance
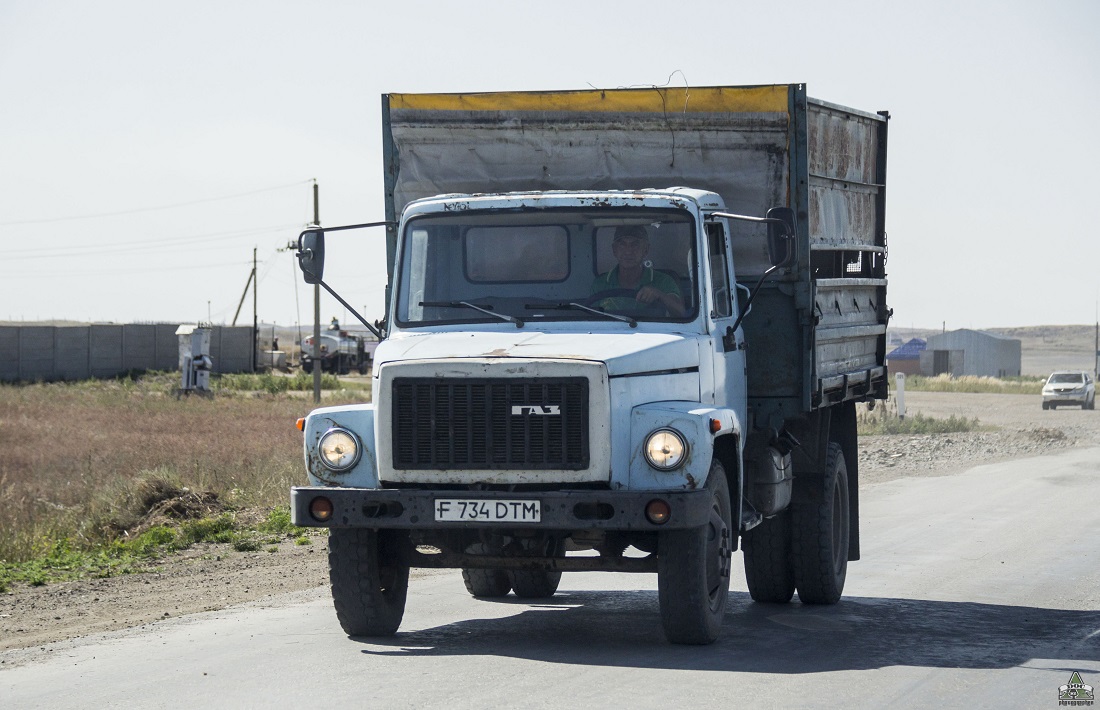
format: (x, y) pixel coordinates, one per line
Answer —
(975, 590)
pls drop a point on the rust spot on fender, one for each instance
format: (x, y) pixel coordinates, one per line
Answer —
(692, 484)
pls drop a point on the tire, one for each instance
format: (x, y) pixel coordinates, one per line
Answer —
(538, 583)
(819, 531)
(370, 579)
(307, 366)
(1046, 406)
(693, 570)
(767, 551)
(486, 583)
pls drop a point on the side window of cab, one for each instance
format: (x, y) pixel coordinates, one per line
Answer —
(719, 271)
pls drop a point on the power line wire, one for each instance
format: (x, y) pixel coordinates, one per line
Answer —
(162, 245)
(152, 209)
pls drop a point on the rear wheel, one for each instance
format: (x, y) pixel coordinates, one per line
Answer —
(369, 573)
(1046, 405)
(767, 551)
(693, 570)
(819, 531)
(539, 583)
(486, 583)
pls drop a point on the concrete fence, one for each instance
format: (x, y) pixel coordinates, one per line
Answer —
(44, 352)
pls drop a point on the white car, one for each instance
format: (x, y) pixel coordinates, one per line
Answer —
(1076, 387)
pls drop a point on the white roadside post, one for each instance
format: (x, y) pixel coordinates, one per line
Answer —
(900, 379)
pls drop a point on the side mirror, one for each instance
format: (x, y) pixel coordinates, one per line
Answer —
(311, 255)
(780, 235)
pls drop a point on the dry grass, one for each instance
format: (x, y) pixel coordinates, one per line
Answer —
(971, 383)
(86, 463)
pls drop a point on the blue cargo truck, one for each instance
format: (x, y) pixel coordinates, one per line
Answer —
(626, 331)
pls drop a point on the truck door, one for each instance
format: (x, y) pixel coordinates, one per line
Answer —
(730, 388)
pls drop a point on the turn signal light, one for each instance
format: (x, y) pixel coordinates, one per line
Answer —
(658, 511)
(301, 424)
(715, 426)
(321, 509)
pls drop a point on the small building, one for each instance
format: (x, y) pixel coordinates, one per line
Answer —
(906, 357)
(971, 352)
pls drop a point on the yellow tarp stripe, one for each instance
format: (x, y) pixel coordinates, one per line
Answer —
(711, 99)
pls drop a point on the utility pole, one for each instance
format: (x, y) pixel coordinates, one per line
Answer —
(316, 308)
(255, 312)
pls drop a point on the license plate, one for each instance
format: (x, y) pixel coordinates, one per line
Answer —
(487, 511)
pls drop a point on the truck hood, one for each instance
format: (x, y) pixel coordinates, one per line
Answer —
(623, 353)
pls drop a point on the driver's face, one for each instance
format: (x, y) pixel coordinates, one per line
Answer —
(630, 251)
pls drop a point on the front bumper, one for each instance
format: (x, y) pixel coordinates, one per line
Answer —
(1066, 398)
(560, 510)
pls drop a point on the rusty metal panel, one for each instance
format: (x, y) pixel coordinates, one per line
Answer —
(842, 143)
(844, 184)
(842, 215)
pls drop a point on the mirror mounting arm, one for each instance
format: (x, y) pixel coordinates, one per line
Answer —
(377, 333)
(311, 260)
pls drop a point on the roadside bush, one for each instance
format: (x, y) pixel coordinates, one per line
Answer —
(884, 420)
(278, 523)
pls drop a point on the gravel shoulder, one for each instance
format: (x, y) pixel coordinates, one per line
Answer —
(211, 577)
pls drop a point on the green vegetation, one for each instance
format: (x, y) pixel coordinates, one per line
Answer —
(62, 561)
(972, 384)
(103, 477)
(882, 420)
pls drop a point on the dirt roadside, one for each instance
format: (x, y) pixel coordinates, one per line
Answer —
(210, 577)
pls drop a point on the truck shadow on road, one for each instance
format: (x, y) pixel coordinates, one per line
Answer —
(623, 629)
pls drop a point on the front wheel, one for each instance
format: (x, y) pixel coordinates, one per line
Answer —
(369, 573)
(693, 570)
(819, 531)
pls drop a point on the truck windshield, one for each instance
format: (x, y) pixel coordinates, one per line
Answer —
(540, 265)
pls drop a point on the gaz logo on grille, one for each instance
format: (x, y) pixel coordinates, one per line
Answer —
(535, 410)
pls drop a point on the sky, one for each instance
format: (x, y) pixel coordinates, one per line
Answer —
(148, 150)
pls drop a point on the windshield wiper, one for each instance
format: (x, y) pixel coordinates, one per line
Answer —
(464, 304)
(581, 307)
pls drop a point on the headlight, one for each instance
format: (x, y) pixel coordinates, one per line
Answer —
(665, 449)
(339, 449)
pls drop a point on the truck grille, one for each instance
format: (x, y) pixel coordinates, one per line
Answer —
(490, 423)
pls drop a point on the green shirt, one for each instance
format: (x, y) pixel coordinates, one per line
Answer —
(650, 277)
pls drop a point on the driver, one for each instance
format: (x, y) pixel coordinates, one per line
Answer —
(633, 272)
